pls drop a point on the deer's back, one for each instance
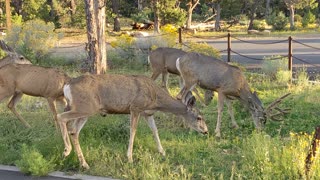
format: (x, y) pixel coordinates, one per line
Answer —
(114, 94)
(165, 58)
(35, 80)
(211, 73)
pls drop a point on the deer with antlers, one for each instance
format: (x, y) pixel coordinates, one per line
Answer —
(163, 61)
(229, 82)
(119, 94)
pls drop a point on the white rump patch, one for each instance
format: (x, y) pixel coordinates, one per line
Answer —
(178, 65)
(67, 93)
(148, 59)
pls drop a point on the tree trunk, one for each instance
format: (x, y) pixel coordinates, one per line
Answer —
(95, 11)
(291, 18)
(217, 10)
(191, 7)
(156, 16)
(267, 8)
(8, 14)
(73, 7)
(251, 22)
(140, 5)
(115, 10)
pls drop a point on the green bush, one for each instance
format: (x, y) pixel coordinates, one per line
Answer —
(33, 39)
(308, 18)
(32, 162)
(278, 21)
(204, 48)
(259, 25)
(273, 64)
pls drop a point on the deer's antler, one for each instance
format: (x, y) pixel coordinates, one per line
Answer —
(274, 106)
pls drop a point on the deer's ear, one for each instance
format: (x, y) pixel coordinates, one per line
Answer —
(191, 102)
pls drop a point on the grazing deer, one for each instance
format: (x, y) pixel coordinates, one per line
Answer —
(119, 94)
(163, 61)
(19, 79)
(229, 82)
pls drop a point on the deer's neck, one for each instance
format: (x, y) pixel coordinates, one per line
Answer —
(173, 106)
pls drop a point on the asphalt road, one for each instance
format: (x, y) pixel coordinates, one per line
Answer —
(14, 175)
(260, 47)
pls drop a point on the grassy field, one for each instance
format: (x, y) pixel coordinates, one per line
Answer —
(278, 152)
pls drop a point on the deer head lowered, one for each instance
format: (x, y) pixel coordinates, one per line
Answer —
(163, 61)
(229, 82)
(19, 79)
(119, 94)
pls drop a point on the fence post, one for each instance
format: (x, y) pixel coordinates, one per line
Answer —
(312, 151)
(290, 55)
(229, 47)
(180, 36)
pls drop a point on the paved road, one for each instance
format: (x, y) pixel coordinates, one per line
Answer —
(14, 175)
(258, 48)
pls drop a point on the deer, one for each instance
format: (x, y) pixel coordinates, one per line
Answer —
(19, 79)
(136, 95)
(163, 61)
(11, 56)
(230, 83)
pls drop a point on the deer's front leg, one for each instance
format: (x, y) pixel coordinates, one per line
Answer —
(221, 98)
(154, 129)
(134, 117)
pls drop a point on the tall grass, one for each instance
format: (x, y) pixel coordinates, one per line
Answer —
(276, 153)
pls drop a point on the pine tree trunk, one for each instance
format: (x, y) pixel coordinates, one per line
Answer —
(115, 10)
(95, 11)
(156, 16)
(8, 14)
(291, 18)
(217, 9)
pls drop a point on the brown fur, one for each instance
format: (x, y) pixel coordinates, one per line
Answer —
(119, 94)
(19, 79)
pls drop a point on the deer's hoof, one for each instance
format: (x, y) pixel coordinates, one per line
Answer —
(66, 152)
(163, 153)
(85, 166)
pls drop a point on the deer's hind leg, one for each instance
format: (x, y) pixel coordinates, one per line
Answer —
(154, 129)
(78, 124)
(12, 106)
(63, 119)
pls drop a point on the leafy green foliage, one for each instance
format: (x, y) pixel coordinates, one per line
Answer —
(32, 162)
(33, 39)
(308, 18)
(278, 21)
(203, 48)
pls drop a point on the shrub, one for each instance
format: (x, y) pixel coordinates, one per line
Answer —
(204, 48)
(269, 158)
(308, 18)
(273, 64)
(259, 25)
(302, 77)
(141, 16)
(33, 39)
(278, 21)
(32, 162)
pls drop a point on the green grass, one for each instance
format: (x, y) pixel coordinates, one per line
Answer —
(276, 153)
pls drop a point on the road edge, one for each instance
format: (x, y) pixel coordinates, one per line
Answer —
(58, 174)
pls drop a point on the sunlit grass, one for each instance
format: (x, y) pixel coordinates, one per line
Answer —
(276, 153)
